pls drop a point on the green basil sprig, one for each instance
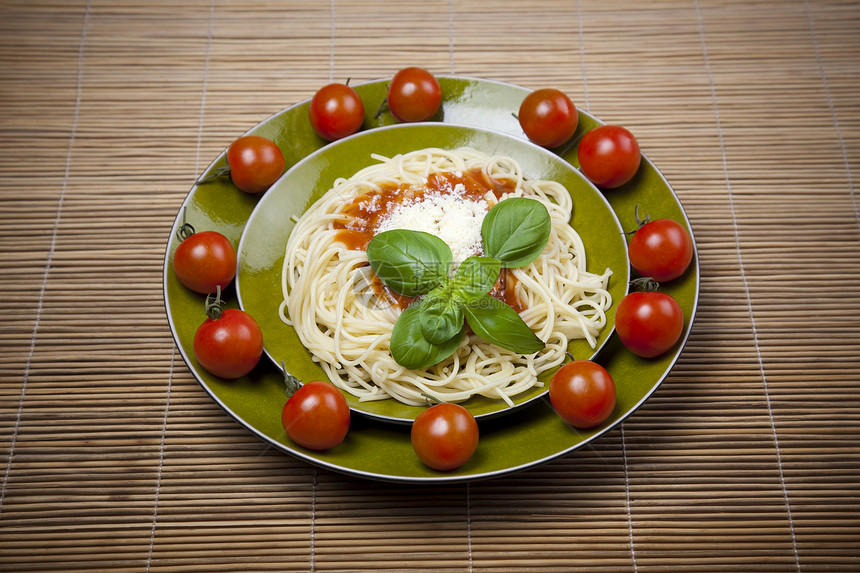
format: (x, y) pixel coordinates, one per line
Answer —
(440, 316)
(515, 231)
(497, 322)
(409, 262)
(411, 349)
(475, 277)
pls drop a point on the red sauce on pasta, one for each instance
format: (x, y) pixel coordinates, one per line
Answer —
(367, 211)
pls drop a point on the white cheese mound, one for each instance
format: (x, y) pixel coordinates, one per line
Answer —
(449, 216)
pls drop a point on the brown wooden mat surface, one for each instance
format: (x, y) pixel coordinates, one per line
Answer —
(112, 457)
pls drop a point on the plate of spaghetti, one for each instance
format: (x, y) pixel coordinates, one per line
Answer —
(306, 276)
(304, 271)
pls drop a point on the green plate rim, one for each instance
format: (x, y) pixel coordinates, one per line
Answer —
(655, 371)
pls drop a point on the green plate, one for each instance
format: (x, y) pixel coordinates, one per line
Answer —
(376, 449)
(261, 248)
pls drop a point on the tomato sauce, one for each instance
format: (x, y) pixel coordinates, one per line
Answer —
(505, 290)
(367, 212)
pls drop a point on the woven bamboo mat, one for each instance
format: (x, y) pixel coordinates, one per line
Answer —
(112, 458)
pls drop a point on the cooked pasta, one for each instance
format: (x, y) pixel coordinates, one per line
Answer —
(344, 317)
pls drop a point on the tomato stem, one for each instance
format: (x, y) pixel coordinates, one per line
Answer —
(185, 230)
(431, 400)
(292, 383)
(383, 106)
(645, 284)
(214, 175)
(639, 221)
(213, 308)
(381, 109)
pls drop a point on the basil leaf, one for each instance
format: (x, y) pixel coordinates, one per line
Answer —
(498, 323)
(475, 277)
(411, 350)
(409, 262)
(440, 315)
(515, 231)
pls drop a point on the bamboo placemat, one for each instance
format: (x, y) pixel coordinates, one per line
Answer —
(113, 458)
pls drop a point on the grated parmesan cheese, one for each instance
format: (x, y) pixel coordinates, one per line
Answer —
(449, 216)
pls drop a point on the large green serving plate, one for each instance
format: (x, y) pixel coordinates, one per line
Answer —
(261, 248)
(378, 449)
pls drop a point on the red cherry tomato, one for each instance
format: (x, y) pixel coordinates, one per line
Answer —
(582, 393)
(548, 117)
(414, 95)
(609, 156)
(336, 111)
(649, 323)
(661, 249)
(255, 163)
(316, 416)
(205, 261)
(229, 345)
(445, 436)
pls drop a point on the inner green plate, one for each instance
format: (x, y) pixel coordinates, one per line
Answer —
(375, 449)
(261, 249)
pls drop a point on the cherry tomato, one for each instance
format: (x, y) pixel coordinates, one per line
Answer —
(445, 436)
(661, 249)
(204, 261)
(649, 323)
(255, 163)
(609, 156)
(229, 343)
(548, 117)
(582, 393)
(414, 95)
(316, 416)
(336, 111)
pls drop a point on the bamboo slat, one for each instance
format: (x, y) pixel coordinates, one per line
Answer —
(112, 457)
